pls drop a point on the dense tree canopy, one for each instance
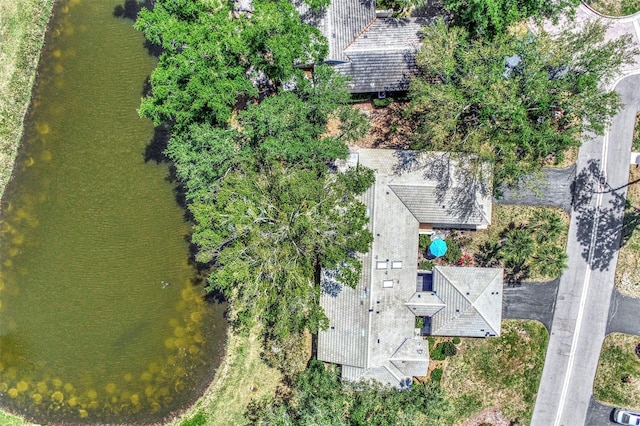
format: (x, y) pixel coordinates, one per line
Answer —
(251, 148)
(268, 234)
(516, 101)
(488, 18)
(210, 60)
(288, 126)
(320, 398)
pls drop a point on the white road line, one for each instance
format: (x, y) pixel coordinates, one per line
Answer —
(585, 283)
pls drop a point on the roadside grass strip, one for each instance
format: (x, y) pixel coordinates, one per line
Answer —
(615, 7)
(502, 372)
(617, 380)
(628, 268)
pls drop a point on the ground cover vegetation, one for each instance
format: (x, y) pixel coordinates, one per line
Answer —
(319, 397)
(615, 7)
(617, 380)
(22, 25)
(503, 372)
(517, 100)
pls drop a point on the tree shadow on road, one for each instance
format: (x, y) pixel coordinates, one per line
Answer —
(598, 227)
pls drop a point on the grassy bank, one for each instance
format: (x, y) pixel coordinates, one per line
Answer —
(617, 380)
(241, 378)
(22, 30)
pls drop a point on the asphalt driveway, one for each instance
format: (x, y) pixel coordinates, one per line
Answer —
(535, 301)
(624, 315)
(553, 187)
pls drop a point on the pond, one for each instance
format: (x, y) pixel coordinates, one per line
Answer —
(101, 317)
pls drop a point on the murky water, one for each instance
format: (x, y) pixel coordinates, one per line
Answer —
(99, 318)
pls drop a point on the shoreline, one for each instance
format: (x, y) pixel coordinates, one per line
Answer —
(25, 27)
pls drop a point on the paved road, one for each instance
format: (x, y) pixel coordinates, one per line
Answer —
(530, 301)
(551, 188)
(582, 307)
(624, 315)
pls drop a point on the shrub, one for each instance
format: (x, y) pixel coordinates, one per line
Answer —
(419, 322)
(426, 265)
(436, 375)
(380, 103)
(456, 340)
(436, 353)
(423, 242)
(465, 260)
(443, 350)
(198, 420)
(454, 252)
(449, 349)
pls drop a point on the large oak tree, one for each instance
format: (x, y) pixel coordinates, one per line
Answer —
(516, 102)
(268, 235)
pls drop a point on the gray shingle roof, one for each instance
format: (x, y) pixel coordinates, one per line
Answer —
(415, 178)
(347, 338)
(377, 54)
(412, 357)
(372, 327)
(473, 298)
(340, 23)
(383, 57)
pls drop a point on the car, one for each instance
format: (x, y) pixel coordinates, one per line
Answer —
(626, 417)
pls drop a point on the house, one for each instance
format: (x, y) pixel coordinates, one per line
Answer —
(372, 332)
(375, 51)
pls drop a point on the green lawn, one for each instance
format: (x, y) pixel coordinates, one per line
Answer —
(242, 377)
(628, 267)
(617, 361)
(502, 372)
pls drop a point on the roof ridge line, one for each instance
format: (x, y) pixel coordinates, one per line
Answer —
(452, 285)
(402, 201)
(364, 30)
(392, 372)
(480, 313)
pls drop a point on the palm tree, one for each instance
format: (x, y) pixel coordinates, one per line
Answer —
(547, 225)
(550, 260)
(518, 245)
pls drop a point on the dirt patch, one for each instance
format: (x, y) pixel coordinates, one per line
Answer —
(491, 416)
(389, 127)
